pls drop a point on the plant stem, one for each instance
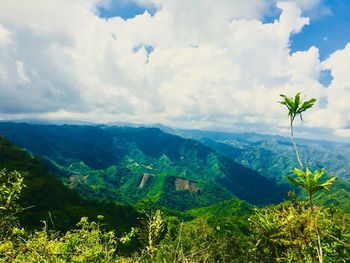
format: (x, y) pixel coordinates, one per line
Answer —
(319, 246)
(320, 254)
(310, 202)
(295, 146)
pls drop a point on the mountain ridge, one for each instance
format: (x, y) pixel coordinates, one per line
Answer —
(110, 161)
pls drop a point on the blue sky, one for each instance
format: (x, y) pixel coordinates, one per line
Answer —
(329, 32)
(124, 9)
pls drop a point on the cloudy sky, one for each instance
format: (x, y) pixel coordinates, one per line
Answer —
(215, 65)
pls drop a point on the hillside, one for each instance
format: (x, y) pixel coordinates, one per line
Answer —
(274, 157)
(141, 165)
(45, 195)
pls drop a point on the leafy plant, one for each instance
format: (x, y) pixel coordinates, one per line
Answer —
(310, 181)
(290, 232)
(306, 179)
(151, 234)
(11, 184)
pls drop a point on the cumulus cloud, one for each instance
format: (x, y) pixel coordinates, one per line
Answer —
(337, 113)
(192, 64)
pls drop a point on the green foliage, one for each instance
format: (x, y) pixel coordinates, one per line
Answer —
(47, 198)
(295, 106)
(151, 234)
(204, 240)
(338, 195)
(227, 208)
(289, 233)
(11, 184)
(87, 243)
(311, 181)
(164, 239)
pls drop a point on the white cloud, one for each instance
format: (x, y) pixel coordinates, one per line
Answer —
(343, 132)
(5, 36)
(214, 64)
(337, 113)
(314, 9)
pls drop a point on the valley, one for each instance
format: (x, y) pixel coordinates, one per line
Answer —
(111, 162)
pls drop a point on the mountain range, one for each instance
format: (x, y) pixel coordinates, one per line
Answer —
(274, 156)
(177, 170)
(141, 165)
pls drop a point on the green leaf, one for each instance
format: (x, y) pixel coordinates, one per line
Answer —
(296, 182)
(295, 106)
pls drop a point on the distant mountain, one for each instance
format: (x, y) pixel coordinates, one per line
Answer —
(274, 156)
(142, 166)
(50, 200)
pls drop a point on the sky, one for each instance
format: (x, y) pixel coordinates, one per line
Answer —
(203, 64)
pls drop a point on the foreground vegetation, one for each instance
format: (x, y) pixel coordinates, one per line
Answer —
(288, 232)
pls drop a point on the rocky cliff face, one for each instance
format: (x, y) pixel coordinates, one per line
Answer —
(144, 179)
(184, 184)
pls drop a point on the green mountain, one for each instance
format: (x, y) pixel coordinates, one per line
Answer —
(274, 157)
(143, 166)
(47, 198)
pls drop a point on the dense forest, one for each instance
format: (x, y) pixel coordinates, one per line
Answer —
(119, 194)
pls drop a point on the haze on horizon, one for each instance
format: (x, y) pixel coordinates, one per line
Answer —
(213, 65)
